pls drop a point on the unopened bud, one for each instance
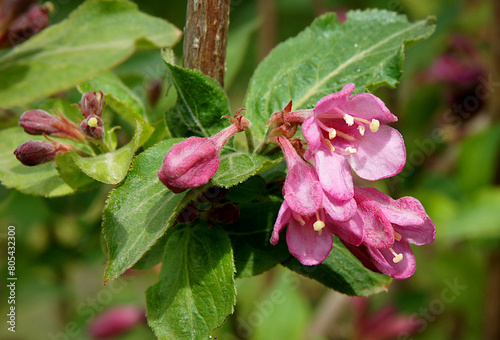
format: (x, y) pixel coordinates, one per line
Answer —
(188, 214)
(35, 152)
(25, 26)
(223, 213)
(92, 103)
(93, 127)
(38, 122)
(116, 321)
(154, 92)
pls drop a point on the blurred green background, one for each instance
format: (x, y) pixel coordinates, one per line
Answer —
(449, 117)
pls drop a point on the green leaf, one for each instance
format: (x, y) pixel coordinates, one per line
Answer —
(250, 235)
(201, 102)
(96, 37)
(139, 211)
(117, 95)
(41, 180)
(235, 167)
(196, 290)
(342, 272)
(112, 167)
(366, 50)
(71, 173)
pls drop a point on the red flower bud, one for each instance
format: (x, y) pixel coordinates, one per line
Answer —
(92, 103)
(116, 321)
(25, 26)
(35, 152)
(38, 122)
(93, 127)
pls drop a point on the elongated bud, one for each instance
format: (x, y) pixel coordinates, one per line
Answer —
(193, 162)
(38, 122)
(25, 26)
(93, 127)
(92, 103)
(35, 152)
(116, 321)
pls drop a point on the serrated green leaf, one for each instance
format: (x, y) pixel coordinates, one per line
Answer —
(112, 167)
(139, 211)
(40, 180)
(201, 102)
(71, 173)
(342, 272)
(250, 235)
(366, 50)
(196, 290)
(117, 95)
(235, 167)
(97, 36)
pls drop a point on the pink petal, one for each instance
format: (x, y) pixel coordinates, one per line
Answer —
(302, 190)
(403, 269)
(419, 235)
(312, 134)
(379, 154)
(406, 211)
(367, 106)
(307, 245)
(363, 255)
(334, 174)
(339, 210)
(284, 216)
(351, 231)
(328, 103)
(379, 232)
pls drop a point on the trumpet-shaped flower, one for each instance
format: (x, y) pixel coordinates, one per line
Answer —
(389, 226)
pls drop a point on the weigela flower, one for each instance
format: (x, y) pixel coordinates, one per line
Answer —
(35, 152)
(194, 161)
(389, 226)
(38, 122)
(93, 127)
(92, 103)
(342, 131)
(310, 212)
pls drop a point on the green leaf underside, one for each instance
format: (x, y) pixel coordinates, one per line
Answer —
(196, 289)
(117, 95)
(96, 37)
(112, 167)
(366, 50)
(41, 180)
(236, 167)
(201, 102)
(71, 173)
(342, 272)
(139, 211)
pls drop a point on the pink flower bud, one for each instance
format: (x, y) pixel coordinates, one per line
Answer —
(193, 162)
(92, 103)
(25, 26)
(35, 152)
(93, 127)
(116, 321)
(38, 122)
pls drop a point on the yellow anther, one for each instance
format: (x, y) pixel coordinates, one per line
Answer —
(397, 236)
(349, 119)
(332, 133)
(374, 125)
(318, 226)
(327, 143)
(361, 129)
(350, 150)
(397, 257)
(92, 122)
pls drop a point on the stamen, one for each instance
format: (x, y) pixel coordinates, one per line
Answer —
(361, 129)
(329, 144)
(397, 236)
(374, 125)
(349, 119)
(299, 219)
(350, 150)
(319, 224)
(92, 122)
(397, 257)
(332, 133)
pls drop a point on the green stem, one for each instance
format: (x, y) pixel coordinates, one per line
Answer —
(249, 137)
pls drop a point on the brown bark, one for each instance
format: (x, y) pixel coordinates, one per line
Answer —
(205, 37)
(492, 317)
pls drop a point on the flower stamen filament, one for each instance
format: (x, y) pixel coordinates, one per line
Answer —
(397, 257)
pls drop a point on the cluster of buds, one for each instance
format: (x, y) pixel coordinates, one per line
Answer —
(320, 199)
(21, 19)
(40, 122)
(194, 161)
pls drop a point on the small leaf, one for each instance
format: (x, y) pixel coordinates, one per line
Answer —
(196, 291)
(366, 50)
(201, 102)
(235, 167)
(342, 272)
(41, 180)
(96, 37)
(139, 211)
(112, 167)
(117, 95)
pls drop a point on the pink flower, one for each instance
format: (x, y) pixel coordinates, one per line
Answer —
(193, 162)
(389, 226)
(116, 321)
(310, 213)
(342, 131)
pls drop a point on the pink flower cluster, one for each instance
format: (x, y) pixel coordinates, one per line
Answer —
(345, 133)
